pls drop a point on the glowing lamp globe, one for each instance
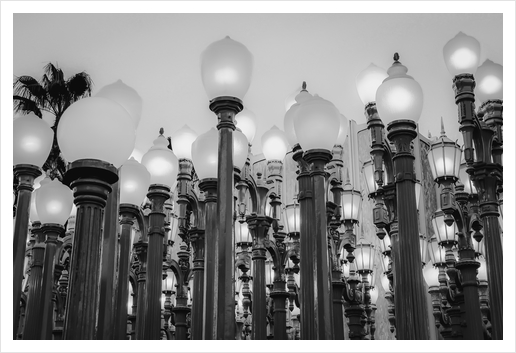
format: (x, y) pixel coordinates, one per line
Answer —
(134, 182)
(431, 274)
(288, 122)
(443, 232)
(169, 283)
(96, 128)
(246, 122)
(368, 81)
(469, 187)
(444, 157)
(226, 69)
(489, 81)
(399, 97)
(182, 141)
(291, 98)
(482, 270)
(462, 54)
(274, 144)
(293, 222)
(240, 149)
(317, 124)
(205, 154)
(351, 201)
(364, 257)
(343, 130)
(242, 234)
(126, 96)
(54, 202)
(374, 295)
(32, 140)
(385, 283)
(161, 163)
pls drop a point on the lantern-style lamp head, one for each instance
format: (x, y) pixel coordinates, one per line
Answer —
(182, 141)
(274, 144)
(489, 81)
(134, 182)
(242, 234)
(437, 253)
(482, 270)
(423, 247)
(292, 213)
(444, 158)
(205, 154)
(368, 81)
(169, 283)
(161, 162)
(385, 282)
(462, 54)
(385, 244)
(444, 233)
(126, 96)
(269, 272)
(364, 257)
(431, 274)
(373, 292)
(226, 69)
(351, 202)
(288, 122)
(96, 128)
(368, 170)
(246, 121)
(469, 187)
(240, 149)
(317, 124)
(32, 140)
(399, 97)
(54, 202)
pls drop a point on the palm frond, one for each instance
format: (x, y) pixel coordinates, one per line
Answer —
(26, 106)
(54, 73)
(79, 86)
(29, 87)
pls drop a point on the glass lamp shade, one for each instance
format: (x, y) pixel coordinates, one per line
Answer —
(205, 154)
(33, 215)
(242, 234)
(292, 213)
(462, 54)
(482, 270)
(134, 182)
(437, 253)
(385, 263)
(54, 202)
(274, 144)
(431, 274)
(226, 69)
(368, 169)
(444, 158)
(345, 265)
(423, 247)
(246, 122)
(240, 149)
(269, 272)
(161, 163)
(291, 98)
(479, 246)
(441, 230)
(126, 96)
(464, 178)
(489, 81)
(182, 141)
(37, 181)
(169, 283)
(317, 124)
(351, 202)
(417, 186)
(90, 127)
(368, 81)
(373, 292)
(32, 140)
(385, 282)
(174, 228)
(385, 243)
(288, 121)
(343, 130)
(399, 97)
(364, 256)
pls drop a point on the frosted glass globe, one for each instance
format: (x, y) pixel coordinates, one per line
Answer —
(32, 140)
(462, 54)
(161, 163)
(246, 121)
(317, 124)
(288, 122)
(226, 69)
(368, 81)
(33, 215)
(399, 97)
(343, 130)
(182, 141)
(96, 128)
(291, 98)
(54, 202)
(431, 275)
(240, 149)
(134, 182)
(126, 96)
(205, 154)
(489, 81)
(274, 144)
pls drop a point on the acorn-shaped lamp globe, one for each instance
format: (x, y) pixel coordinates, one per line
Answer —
(161, 163)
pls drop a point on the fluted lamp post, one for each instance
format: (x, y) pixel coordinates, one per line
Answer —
(483, 141)
(85, 135)
(226, 67)
(32, 142)
(162, 164)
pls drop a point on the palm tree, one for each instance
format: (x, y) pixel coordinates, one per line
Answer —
(54, 95)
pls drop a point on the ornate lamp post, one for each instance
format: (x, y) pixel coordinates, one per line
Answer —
(32, 138)
(482, 134)
(226, 67)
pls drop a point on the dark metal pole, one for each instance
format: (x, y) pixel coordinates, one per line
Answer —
(280, 295)
(25, 173)
(197, 238)
(141, 251)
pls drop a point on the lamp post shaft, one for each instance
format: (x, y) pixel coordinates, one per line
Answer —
(198, 238)
(25, 173)
(410, 298)
(338, 306)
(280, 295)
(141, 252)
(180, 311)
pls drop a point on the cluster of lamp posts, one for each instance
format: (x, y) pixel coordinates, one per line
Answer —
(98, 167)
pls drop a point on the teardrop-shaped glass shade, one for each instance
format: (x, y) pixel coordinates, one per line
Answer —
(205, 154)
(161, 163)
(246, 121)
(126, 96)
(343, 130)
(368, 81)
(226, 69)
(32, 140)
(274, 144)
(240, 149)
(33, 215)
(431, 274)
(89, 127)
(489, 81)
(182, 140)
(134, 182)
(462, 54)
(288, 122)
(54, 202)
(291, 98)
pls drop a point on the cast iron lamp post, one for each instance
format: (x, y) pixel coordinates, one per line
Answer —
(482, 134)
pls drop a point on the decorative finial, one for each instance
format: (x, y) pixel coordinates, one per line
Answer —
(396, 57)
(303, 86)
(429, 134)
(443, 133)
(161, 131)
